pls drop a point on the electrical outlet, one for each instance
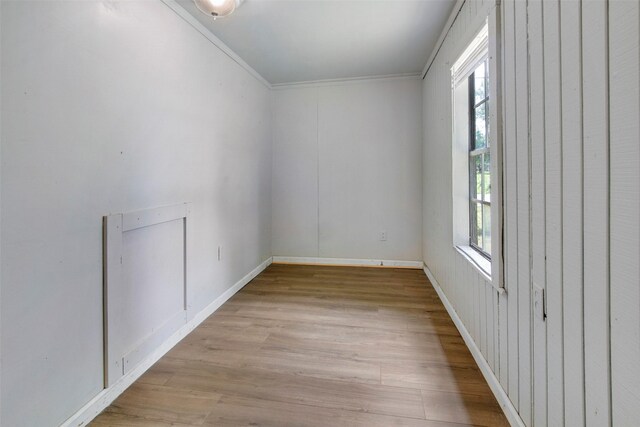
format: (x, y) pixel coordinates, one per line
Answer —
(219, 253)
(383, 236)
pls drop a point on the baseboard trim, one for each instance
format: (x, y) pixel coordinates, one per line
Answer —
(96, 405)
(507, 407)
(347, 262)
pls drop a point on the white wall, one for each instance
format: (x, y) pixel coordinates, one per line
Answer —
(571, 102)
(0, 215)
(111, 107)
(346, 166)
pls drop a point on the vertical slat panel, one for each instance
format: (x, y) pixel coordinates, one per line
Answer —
(458, 289)
(624, 69)
(113, 369)
(465, 283)
(488, 290)
(596, 212)
(503, 298)
(476, 308)
(488, 308)
(475, 316)
(511, 196)
(470, 311)
(581, 176)
(482, 309)
(471, 301)
(496, 331)
(503, 327)
(570, 31)
(464, 303)
(523, 182)
(460, 297)
(538, 201)
(496, 327)
(553, 206)
(471, 307)
(468, 300)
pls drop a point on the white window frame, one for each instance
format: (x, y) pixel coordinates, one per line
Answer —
(483, 44)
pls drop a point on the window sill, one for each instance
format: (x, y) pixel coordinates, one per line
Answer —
(479, 262)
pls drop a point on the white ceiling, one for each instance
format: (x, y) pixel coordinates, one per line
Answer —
(290, 41)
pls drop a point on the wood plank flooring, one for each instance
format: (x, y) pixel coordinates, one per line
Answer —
(317, 346)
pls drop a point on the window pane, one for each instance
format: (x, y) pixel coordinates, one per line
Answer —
(480, 82)
(475, 176)
(476, 224)
(479, 224)
(487, 123)
(486, 175)
(473, 234)
(486, 229)
(481, 130)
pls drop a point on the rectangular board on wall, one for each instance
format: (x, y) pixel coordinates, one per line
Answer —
(510, 199)
(523, 210)
(538, 205)
(624, 93)
(553, 214)
(595, 129)
(572, 202)
(145, 284)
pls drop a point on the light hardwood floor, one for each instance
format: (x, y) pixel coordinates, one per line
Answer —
(317, 346)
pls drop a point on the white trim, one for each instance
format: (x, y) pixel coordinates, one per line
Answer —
(505, 403)
(96, 405)
(342, 81)
(190, 19)
(495, 149)
(147, 217)
(346, 262)
(452, 17)
(485, 45)
(476, 52)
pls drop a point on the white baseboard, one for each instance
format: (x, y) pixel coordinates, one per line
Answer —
(96, 405)
(501, 396)
(347, 262)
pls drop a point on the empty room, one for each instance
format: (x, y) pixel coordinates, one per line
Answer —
(319, 213)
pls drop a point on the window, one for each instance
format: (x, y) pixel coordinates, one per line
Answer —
(479, 161)
(476, 151)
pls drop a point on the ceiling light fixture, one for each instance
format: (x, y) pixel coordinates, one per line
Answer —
(217, 8)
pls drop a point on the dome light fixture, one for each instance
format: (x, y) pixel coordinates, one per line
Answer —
(217, 8)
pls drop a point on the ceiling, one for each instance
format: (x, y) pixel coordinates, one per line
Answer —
(289, 41)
